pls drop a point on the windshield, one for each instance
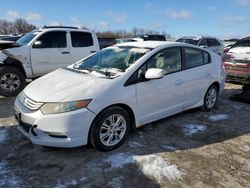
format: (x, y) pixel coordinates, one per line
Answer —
(110, 62)
(27, 38)
(242, 43)
(189, 41)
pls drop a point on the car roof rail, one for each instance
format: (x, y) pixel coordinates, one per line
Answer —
(67, 27)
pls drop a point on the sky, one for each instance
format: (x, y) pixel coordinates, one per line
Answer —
(221, 18)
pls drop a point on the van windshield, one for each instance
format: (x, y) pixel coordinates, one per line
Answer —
(24, 40)
(111, 62)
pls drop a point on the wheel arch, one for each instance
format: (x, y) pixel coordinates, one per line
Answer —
(122, 105)
(14, 63)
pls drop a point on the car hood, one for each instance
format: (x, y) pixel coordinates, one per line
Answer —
(65, 85)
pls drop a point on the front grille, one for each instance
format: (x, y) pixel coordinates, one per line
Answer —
(29, 103)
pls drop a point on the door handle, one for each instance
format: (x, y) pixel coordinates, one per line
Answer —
(65, 52)
(92, 51)
(178, 82)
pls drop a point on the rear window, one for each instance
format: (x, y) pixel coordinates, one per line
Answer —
(195, 57)
(213, 42)
(81, 39)
(242, 43)
(189, 41)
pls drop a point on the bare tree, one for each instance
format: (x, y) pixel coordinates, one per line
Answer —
(19, 26)
(22, 26)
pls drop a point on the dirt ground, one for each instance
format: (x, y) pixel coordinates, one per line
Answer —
(191, 149)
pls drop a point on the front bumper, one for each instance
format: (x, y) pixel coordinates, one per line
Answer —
(68, 129)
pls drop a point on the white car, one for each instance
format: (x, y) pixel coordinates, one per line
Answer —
(100, 98)
(211, 43)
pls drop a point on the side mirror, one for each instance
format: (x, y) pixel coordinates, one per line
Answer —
(37, 44)
(154, 73)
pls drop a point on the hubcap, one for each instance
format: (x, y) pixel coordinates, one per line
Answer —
(9, 82)
(113, 130)
(211, 97)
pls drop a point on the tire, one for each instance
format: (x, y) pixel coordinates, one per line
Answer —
(12, 81)
(112, 134)
(210, 98)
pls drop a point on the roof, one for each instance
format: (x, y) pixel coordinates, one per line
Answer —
(145, 44)
(155, 44)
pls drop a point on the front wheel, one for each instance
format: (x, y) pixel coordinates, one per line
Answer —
(110, 129)
(210, 98)
(12, 81)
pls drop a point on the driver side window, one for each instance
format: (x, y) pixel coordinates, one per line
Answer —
(168, 59)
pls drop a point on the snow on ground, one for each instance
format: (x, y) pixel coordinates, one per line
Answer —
(169, 148)
(218, 117)
(118, 160)
(158, 168)
(133, 144)
(153, 166)
(7, 178)
(116, 182)
(190, 129)
(3, 135)
(66, 183)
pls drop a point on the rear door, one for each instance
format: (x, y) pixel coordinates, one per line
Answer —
(197, 65)
(161, 97)
(50, 52)
(82, 45)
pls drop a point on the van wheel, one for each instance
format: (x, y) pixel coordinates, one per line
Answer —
(12, 81)
(110, 129)
(210, 98)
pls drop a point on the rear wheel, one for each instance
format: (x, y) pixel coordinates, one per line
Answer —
(110, 129)
(210, 98)
(12, 81)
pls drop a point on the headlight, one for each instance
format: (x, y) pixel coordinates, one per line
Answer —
(54, 108)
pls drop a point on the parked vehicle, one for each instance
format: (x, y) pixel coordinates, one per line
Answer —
(154, 37)
(237, 62)
(228, 44)
(102, 97)
(123, 40)
(106, 41)
(210, 43)
(42, 51)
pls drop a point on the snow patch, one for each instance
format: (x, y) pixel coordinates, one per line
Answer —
(169, 148)
(116, 182)
(190, 129)
(237, 107)
(218, 117)
(151, 165)
(3, 135)
(7, 177)
(134, 144)
(119, 160)
(158, 168)
(65, 184)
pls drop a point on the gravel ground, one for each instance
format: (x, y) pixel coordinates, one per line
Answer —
(191, 149)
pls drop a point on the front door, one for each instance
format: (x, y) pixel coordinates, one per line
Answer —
(50, 51)
(161, 97)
